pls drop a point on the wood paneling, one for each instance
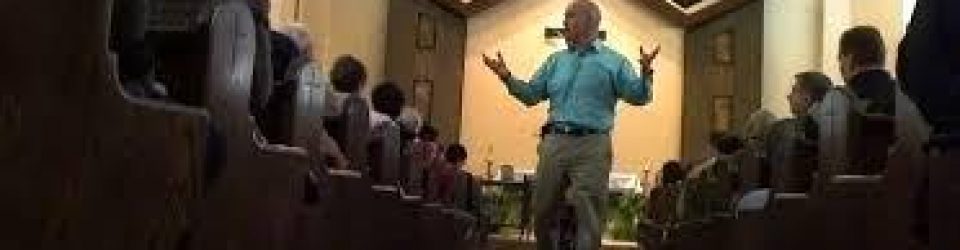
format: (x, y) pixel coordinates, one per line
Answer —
(702, 82)
(442, 64)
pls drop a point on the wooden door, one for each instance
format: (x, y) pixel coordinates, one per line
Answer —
(722, 75)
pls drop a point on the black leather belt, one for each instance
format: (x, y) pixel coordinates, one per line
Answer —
(565, 129)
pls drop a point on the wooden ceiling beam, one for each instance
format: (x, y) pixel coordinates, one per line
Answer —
(706, 14)
(667, 10)
(714, 11)
(467, 9)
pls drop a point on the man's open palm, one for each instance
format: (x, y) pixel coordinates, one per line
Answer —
(497, 65)
(646, 60)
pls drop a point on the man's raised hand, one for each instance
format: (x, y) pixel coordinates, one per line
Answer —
(646, 60)
(497, 66)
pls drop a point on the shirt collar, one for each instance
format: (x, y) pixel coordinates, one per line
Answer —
(594, 47)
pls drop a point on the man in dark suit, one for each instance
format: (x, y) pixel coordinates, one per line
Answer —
(929, 69)
(862, 59)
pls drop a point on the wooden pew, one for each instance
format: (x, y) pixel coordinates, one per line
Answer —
(251, 205)
(847, 205)
(86, 166)
(849, 194)
(317, 226)
(944, 191)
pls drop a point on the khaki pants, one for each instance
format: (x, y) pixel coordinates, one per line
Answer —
(581, 163)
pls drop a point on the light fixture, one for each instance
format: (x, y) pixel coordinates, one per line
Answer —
(466, 1)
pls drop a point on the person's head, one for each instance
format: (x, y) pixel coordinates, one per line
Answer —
(260, 9)
(726, 144)
(455, 154)
(301, 37)
(388, 99)
(754, 131)
(809, 88)
(411, 119)
(581, 22)
(348, 75)
(428, 133)
(671, 173)
(861, 47)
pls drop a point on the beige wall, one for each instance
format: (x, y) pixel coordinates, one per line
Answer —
(499, 128)
(356, 27)
(887, 16)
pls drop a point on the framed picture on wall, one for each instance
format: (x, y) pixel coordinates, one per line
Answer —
(722, 113)
(723, 44)
(423, 97)
(426, 31)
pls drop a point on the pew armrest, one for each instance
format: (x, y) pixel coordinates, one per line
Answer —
(296, 152)
(790, 196)
(348, 173)
(856, 179)
(385, 188)
(164, 107)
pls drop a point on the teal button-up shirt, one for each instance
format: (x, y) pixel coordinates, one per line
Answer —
(583, 86)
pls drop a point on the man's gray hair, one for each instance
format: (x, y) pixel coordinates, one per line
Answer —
(594, 12)
(300, 35)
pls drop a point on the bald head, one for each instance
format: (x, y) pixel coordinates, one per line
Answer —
(581, 22)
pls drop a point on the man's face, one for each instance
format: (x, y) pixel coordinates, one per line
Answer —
(576, 23)
(800, 100)
(846, 66)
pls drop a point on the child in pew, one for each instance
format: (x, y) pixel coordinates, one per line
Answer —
(792, 143)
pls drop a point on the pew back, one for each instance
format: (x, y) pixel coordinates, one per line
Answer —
(87, 166)
(254, 201)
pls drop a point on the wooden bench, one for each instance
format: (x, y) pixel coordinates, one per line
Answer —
(944, 191)
(86, 166)
(252, 204)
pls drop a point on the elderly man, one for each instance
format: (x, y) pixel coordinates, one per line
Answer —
(583, 84)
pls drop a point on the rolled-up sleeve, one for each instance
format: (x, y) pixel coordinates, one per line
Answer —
(535, 91)
(631, 88)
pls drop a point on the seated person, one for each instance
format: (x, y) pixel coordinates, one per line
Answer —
(754, 171)
(388, 137)
(303, 70)
(346, 112)
(277, 117)
(710, 186)
(425, 154)
(456, 190)
(862, 59)
(660, 215)
(388, 100)
(348, 77)
(455, 157)
(792, 143)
